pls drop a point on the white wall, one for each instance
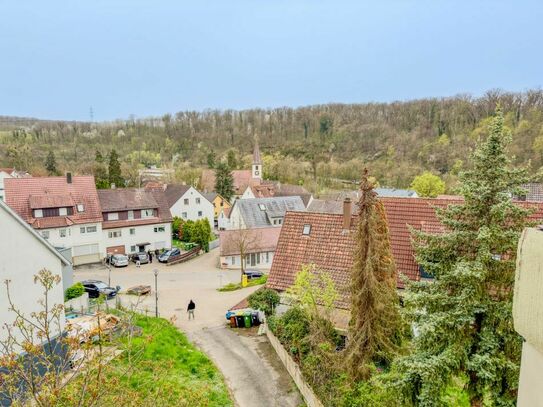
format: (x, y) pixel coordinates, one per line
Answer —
(193, 210)
(223, 223)
(234, 262)
(3, 175)
(248, 194)
(23, 255)
(143, 234)
(236, 220)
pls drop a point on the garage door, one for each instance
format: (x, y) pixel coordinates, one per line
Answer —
(85, 254)
(160, 245)
(115, 249)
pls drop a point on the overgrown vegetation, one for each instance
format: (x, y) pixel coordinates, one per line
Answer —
(190, 231)
(315, 146)
(264, 300)
(75, 291)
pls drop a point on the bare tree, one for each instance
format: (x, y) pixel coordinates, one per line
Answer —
(245, 242)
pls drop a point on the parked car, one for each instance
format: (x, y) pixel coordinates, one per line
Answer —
(118, 260)
(253, 274)
(168, 254)
(96, 287)
(142, 257)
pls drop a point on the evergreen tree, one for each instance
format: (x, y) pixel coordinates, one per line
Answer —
(463, 318)
(114, 170)
(231, 159)
(224, 181)
(51, 163)
(375, 316)
(211, 159)
(98, 157)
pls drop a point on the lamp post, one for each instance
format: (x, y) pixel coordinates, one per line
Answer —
(108, 274)
(155, 271)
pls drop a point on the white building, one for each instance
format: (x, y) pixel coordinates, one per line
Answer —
(188, 203)
(135, 220)
(257, 245)
(25, 254)
(65, 210)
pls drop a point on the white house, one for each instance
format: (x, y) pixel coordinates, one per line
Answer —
(135, 220)
(188, 203)
(258, 247)
(25, 253)
(262, 212)
(223, 220)
(65, 210)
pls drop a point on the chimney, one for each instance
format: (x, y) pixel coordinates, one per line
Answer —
(69, 177)
(347, 208)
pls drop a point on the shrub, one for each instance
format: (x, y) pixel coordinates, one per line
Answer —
(265, 300)
(76, 290)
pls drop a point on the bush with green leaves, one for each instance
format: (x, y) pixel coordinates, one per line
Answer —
(265, 300)
(76, 290)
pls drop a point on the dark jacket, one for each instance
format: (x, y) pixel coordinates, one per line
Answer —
(192, 305)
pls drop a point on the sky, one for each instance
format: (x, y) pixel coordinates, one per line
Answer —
(146, 58)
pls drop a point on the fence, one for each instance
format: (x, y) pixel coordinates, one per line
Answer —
(294, 371)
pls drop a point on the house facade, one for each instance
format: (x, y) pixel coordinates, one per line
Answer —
(187, 203)
(135, 220)
(219, 204)
(262, 212)
(26, 253)
(258, 247)
(64, 210)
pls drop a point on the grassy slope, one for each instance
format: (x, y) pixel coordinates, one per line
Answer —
(250, 283)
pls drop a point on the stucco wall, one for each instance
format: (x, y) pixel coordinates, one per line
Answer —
(530, 393)
(234, 262)
(193, 208)
(143, 234)
(22, 257)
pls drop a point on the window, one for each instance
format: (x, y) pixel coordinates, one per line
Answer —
(233, 259)
(38, 213)
(62, 232)
(256, 167)
(80, 208)
(114, 233)
(113, 216)
(132, 231)
(45, 234)
(132, 249)
(147, 213)
(222, 203)
(267, 257)
(307, 230)
(81, 230)
(130, 215)
(184, 215)
(186, 201)
(262, 207)
(197, 201)
(258, 258)
(199, 214)
(91, 229)
(160, 229)
(63, 211)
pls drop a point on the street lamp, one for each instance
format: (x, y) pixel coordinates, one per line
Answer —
(108, 274)
(155, 271)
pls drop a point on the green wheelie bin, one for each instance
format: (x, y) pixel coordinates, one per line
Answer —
(247, 317)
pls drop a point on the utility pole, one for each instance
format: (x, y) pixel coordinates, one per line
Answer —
(156, 293)
(91, 113)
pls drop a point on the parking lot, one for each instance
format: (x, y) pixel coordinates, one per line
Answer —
(242, 359)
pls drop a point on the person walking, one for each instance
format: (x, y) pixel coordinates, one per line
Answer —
(191, 308)
(150, 254)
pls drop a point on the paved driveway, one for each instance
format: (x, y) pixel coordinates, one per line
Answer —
(251, 368)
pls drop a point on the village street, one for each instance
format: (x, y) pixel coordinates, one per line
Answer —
(252, 370)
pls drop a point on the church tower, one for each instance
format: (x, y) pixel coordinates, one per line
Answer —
(257, 162)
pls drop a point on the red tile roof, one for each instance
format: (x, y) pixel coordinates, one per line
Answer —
(242, 180)
(331, 249)
(257, 240)
(20, 192)
(7, 170)
(50, 201)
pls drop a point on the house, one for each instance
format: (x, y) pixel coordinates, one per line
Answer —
(25, 253)
(263, 212)
(223, 221)
(242, 178)
(188, 203)
(258, 246)
(268, 189)
(65, 210)
(219, 204)
(135, 220)
(381, 192)
(10, 173)
(528, 316)
(326, 239)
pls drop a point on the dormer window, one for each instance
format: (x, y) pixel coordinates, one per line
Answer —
(38, 213)
(306, 230)
(113, 216)
(262, 207)
(63, 211)
(80, 208)
(147, 213)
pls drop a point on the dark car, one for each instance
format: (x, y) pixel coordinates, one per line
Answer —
(95, 288)
(142, 257)
(253, 274)
(168, 254)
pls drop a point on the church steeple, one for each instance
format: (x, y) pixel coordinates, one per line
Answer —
(257, 162)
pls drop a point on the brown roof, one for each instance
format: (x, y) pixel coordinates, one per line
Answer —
(25, 194)
(7, 170)
(331, 249)
(242, 180)
(257, 240)
(174, 191)
(113, 200)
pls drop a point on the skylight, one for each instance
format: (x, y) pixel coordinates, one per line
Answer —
(262, 207)
(307, 230)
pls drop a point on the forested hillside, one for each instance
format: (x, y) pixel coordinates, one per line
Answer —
(315, 145)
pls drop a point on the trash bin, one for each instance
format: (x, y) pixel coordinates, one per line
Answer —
(254, 318)
(247, 318)
(240, 320)
(233, 321)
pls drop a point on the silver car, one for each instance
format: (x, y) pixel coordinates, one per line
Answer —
(118, 260)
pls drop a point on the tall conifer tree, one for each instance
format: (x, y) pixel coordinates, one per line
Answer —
(114, 170)
(51, 163)
(375, 317)
(224, 181)
(463, 318)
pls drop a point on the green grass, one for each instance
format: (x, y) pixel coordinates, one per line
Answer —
(251, 283)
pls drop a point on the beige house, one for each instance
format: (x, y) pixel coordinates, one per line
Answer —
(528, 316)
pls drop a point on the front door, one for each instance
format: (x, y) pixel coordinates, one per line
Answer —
(253, 259)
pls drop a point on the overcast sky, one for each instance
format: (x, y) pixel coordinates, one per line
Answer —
(122, 57)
